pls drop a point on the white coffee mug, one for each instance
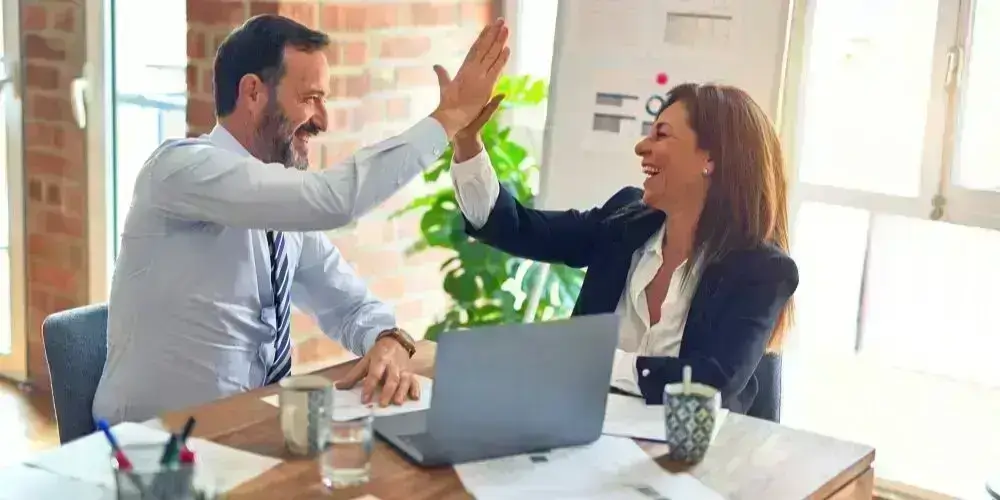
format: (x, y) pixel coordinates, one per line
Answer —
(305, 403)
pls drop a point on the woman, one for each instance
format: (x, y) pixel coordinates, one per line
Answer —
(695, 262)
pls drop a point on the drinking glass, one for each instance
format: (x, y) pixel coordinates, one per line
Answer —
(346, 461)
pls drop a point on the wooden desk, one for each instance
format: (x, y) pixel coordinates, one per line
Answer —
(750, 458)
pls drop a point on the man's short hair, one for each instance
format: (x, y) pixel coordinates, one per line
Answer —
(258, 48)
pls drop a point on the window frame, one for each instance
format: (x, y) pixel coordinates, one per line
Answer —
(931, 172)
(15, 364)
(959, 205)
(962, 205)
(99, 122)
(532, 121)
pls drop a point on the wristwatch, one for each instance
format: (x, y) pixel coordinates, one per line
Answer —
(404, 339)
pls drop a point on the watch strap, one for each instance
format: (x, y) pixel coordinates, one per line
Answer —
(404, 339)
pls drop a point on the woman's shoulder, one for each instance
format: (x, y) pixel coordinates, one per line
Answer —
(626, 207)
(766, 261)
(628, 219)
(627, 196)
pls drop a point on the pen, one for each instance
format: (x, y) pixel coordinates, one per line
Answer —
(177, 442)
(169, 450)
(188, 427)
(123, 462)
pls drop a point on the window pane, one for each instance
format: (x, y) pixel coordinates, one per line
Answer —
(5, 305)
(978, 165)
(536, 29)
(150, 89)
(926, 378)
(4, 194)
(5, 311)
(931, 296)
(865, 97)
(829, 249)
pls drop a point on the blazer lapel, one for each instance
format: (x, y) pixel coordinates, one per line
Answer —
(626, 231)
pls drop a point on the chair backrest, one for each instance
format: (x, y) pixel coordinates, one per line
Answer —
(76, 346)
(767, 404)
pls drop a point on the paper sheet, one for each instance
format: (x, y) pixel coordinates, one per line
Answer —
(155, 423)
(89, 459)
(20, 482)
(631, 417)
(352, 398)
(609, 468)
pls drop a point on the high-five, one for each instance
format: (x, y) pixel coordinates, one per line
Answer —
(200, 307)
(464, 97)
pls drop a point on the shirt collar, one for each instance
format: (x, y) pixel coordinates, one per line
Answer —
(225, 140)
(654, 245)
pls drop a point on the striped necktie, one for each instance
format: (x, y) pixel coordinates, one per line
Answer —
(282, 306)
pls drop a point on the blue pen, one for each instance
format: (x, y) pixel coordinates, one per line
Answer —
(123, 462)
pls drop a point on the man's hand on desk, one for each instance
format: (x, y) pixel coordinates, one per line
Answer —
(387, 363)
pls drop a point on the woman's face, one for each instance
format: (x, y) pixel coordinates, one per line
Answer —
(671, 160)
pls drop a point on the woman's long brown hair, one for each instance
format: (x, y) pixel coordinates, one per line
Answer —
(747, 203)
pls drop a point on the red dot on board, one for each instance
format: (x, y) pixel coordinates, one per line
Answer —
(661, 79)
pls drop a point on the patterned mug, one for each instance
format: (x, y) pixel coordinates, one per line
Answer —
(690, 419)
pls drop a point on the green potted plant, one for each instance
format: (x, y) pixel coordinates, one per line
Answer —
(487, 286)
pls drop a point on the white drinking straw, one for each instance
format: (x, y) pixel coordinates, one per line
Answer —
(686, 377)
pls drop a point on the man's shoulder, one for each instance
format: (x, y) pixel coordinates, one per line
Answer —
(174, 155)
(169, 148)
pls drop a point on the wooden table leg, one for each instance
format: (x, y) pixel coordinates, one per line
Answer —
(861, 488)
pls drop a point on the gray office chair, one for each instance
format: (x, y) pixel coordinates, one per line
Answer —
(76, 346)
(767, 404)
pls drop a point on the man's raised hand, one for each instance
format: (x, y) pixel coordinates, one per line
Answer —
(464, 96)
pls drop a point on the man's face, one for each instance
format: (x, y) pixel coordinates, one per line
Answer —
(294, 111)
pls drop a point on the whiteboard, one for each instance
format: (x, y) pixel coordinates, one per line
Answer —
(611, 56)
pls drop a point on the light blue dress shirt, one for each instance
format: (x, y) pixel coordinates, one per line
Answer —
(191, 313)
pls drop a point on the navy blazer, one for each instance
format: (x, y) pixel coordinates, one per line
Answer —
(732, 313)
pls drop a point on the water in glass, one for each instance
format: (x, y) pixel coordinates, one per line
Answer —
(347, 459)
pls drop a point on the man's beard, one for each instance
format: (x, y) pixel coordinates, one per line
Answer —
(274, 139)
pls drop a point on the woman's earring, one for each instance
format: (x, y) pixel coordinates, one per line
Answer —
(706, 172)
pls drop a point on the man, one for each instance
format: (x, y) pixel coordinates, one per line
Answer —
(220, 235)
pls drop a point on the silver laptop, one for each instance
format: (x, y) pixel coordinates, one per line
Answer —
(511, 389)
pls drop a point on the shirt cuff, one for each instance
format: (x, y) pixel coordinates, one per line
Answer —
(476, 168)
(427, 137)
(623, 373)
(371, 336)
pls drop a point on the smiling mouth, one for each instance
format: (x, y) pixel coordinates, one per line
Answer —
(650, 171)
(306, 131)
(303, 136)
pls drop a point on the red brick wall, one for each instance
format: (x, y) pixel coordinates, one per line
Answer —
(381, 83)
(54, 167)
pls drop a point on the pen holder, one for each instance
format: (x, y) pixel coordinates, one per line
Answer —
(147, 479)
(690, 411)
